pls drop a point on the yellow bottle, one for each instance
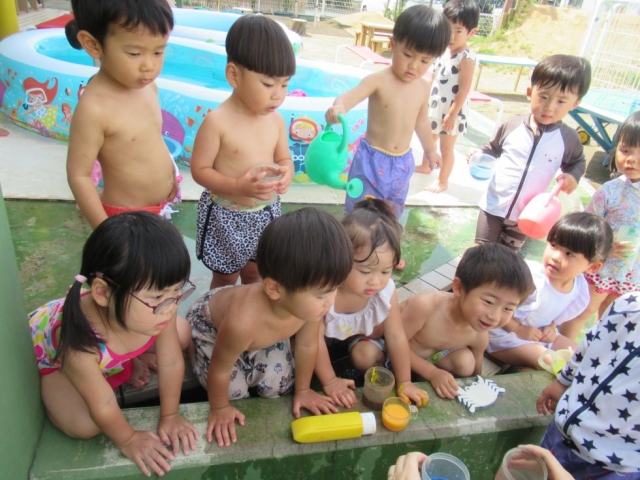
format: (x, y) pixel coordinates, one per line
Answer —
(338, 426)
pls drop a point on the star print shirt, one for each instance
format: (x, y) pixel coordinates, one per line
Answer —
(599, 414)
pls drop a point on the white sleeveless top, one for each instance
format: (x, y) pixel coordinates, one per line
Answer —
(344, 325)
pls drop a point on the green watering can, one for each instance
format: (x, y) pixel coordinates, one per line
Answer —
(326, 159)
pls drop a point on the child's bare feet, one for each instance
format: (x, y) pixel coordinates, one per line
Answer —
(140, 376)
(150, 360)
(401, 264)
(437, 187)
(424, 168)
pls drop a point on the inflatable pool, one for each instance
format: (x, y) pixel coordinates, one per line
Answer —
(212, 27)
(42, 78)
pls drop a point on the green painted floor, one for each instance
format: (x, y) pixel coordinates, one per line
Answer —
(48, 239)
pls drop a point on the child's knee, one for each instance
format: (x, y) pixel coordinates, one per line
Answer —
(184, 332)
(365, 355)
(463, 363)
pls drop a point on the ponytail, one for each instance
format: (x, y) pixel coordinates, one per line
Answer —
(75, 332)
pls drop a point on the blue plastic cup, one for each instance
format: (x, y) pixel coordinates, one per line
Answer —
(442, 466)
(481, 166)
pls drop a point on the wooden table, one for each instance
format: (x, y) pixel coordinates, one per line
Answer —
(520, 62)
(371, 29)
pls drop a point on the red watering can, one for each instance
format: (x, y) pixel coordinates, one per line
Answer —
(541, 213)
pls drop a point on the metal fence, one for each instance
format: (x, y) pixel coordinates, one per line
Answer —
(612, 45)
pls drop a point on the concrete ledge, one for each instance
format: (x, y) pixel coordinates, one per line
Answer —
(266, 450)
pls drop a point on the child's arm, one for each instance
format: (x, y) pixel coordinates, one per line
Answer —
(339, 389)
(398, 346)
(414, 320)
(573, 163)
(222, 416)
(548, 399)
(523, 332)
(205, 151)
(425, 135)
(86, 138)
(345, 102)
(306, 355)
(173, 428)
(144, 448)
(464, 87)
(282, 156)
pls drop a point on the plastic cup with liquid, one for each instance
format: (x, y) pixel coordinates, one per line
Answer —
(520, 464)
(272, 174)
(554, 360)
(629, 234)
(378, 386)
(481, 166)
(397, 413)
(442, 466)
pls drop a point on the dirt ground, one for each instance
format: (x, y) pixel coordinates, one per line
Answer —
(543, 31)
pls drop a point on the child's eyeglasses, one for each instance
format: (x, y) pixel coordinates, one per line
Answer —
(164, 305)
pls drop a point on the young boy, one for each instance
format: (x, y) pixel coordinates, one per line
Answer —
(241, 333)
(448, 332)
(531, 148)
(260, 63)
(448, 104)
(398, 106)
(118, 118)
(595, 432)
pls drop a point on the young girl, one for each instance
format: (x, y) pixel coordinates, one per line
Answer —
(448, 104)
(366, 306)
(578, 243)
(136, 267)
(618, 202)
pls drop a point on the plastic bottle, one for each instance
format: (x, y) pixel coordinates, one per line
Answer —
(338, 426)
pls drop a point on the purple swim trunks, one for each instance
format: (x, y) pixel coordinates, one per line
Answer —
(383, 175)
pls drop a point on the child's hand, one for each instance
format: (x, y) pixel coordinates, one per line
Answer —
(409, 392)
(341, 391)
(448, 122)
(223, 422)
(250, 186)
(283, 184)
(313, 402)
(430, 161)
(554, 467)
(331, 116)
(624, 249)
(471, 152)
(548, 399)
(146, 450)
(525, 332)
(174, 429)
(549, 333)
(444, 384)
(570, 183)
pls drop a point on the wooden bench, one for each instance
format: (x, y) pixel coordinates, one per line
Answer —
(379, 43)
(370, 57)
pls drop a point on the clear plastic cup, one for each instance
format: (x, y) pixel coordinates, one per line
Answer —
(378, 386)
(442, 466)
(481, 166)
(272, 175)
(522, 465)
(397, 413)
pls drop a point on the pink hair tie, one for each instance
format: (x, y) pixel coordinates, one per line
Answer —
(81, 278)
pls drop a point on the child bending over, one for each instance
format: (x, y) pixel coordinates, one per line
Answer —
(595, 431)
(398, 106)
(241, 333)
(366, 307)
(136, 267)
(578, 243)
(618, 202)
(449, 107)
(531, 148)
(118, 118)
(448, 331)
(260, 63)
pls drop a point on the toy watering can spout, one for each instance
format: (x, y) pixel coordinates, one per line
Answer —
(326, 160)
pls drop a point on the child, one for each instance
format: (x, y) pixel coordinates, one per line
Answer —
(595, 431)
(448, 331)
(578, 243)
(449, 107)
(241, 333)
(136, 267)
(366, 307)
(530, 149)
(398, 106)
(118, 118)
(260, 64)
(618, 202)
